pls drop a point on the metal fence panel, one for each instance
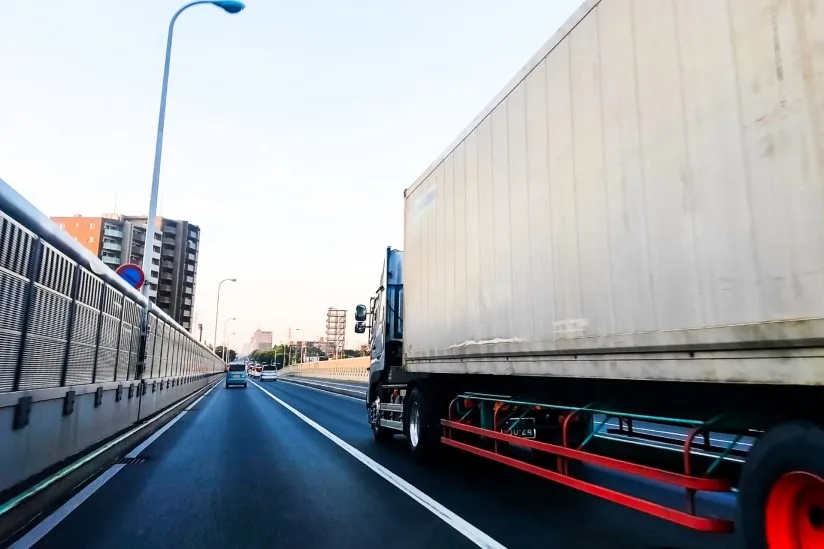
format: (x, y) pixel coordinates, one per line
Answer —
(66, 318)
(45, 345)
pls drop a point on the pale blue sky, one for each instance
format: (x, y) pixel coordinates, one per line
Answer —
(292, 128)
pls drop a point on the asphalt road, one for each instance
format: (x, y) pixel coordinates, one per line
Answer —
(242, 469)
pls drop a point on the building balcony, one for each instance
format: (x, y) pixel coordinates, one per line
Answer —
(112, 246)
(114, 233)
(190, 279)
(111, 260)
(169, 242)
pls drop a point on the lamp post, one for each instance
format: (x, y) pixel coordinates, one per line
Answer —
(217, 306)
(229, 6)
(300, 351)
(225, 325)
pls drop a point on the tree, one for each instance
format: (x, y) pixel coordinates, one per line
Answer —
(231, 354)
(275, 356)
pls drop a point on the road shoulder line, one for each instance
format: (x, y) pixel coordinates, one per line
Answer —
(30, 538)
(472, 533)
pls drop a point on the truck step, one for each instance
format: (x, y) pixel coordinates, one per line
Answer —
(391, 424)
(391, 407)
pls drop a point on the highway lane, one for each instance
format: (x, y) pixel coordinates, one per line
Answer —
(239, 470)
(515, 508)
(242, 470)
(676, 435)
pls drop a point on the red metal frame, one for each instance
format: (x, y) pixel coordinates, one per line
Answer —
(691, 483)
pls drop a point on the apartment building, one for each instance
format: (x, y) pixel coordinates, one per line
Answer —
(119, 239)
(260, 341)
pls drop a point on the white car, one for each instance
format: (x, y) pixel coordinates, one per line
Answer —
(269, 373)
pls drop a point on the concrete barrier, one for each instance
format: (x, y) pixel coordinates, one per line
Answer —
(43, 427)
(347, 369)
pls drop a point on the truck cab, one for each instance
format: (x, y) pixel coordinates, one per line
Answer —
(383, 319)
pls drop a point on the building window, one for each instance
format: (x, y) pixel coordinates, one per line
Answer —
(77, 225)
(91, 225)
(62, 225)
(91, 240)
(156, 249)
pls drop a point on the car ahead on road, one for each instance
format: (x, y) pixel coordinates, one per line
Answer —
(269, 373)
(236, 374)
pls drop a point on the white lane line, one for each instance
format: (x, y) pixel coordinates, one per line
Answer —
(156, 435)
(36, 534)
(677, 437)
(351, 386)
(47, 525)
(472, 533)
(296, 384)
(201, 397)
(359, 390)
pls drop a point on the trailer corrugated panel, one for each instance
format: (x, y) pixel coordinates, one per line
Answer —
(652, 181)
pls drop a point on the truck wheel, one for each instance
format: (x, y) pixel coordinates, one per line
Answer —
(381, 434)
(421, 425)
(781, 494)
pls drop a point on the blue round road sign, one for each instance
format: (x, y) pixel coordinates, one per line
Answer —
(132, 274)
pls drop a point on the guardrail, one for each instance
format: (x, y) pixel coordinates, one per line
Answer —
(348, 369)
(78, 361)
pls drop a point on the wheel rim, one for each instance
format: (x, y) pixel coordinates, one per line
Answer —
(374, 413)
(414, 427)
(795, 512)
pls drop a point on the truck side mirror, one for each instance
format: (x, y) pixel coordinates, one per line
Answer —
(360, 327)
(360, 314)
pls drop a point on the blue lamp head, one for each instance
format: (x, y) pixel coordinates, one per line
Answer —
(229, 6)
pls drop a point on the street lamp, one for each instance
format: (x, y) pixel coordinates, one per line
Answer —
(225, 325)
(229, 6)
(300, 351)
(217, 306)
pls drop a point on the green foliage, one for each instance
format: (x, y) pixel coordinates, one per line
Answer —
(232, 353)
(274, 356)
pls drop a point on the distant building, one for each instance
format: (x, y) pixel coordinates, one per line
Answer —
(119, 239)
(260, 341)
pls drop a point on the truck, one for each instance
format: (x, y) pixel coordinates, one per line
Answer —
(631, 232)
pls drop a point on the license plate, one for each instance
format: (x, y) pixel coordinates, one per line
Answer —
(524, 428)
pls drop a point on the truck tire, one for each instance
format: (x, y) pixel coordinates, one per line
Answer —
(781, 493)
(381, 435)
(422, 425)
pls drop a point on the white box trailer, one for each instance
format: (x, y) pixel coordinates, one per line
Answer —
(642, 204)
(650, 182)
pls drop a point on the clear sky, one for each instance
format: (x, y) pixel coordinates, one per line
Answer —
(292, 128)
